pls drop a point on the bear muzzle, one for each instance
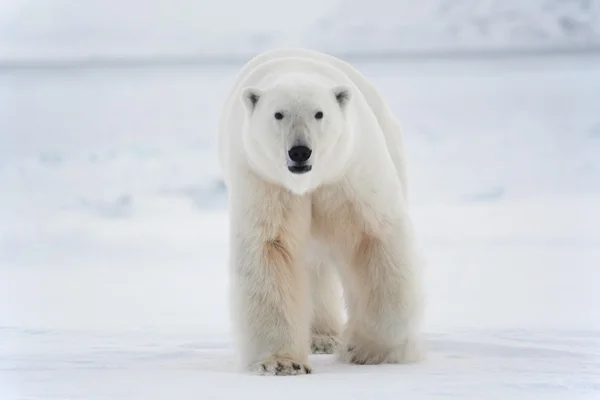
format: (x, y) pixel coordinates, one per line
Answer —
(298, 159)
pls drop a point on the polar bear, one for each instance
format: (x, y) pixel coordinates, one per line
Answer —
(313, 161)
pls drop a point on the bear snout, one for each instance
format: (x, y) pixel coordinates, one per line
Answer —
(299, 155)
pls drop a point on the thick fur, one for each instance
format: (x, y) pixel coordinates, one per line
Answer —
(294, 235)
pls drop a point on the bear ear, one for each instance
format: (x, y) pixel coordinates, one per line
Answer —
(250, 96)
(342, 94)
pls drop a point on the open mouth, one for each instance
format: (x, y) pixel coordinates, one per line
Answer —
(299, 169)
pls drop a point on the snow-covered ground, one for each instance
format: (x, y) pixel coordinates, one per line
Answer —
(380, 26)
(63, 30)
(113, 235)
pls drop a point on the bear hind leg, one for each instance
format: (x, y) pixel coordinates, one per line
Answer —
(327, 307)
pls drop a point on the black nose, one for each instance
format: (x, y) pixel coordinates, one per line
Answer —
(299, 154)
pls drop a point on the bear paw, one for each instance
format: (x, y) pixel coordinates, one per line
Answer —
(324, 344)
(407, 353)
(282, 366)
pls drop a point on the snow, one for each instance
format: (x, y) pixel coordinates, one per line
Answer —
(63, 29)
(380, 26)
(113, 235)
(52, 30)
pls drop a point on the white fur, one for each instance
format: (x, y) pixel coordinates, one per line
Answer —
(291, 233)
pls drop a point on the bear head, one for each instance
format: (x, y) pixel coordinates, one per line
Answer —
(297, 133)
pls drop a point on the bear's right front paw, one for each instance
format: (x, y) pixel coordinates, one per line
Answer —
(281, 366)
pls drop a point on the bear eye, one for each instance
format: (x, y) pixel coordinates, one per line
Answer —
(319, 115)
(278, 115)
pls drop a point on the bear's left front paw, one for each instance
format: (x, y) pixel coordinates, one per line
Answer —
(324, 344)
(370, 354)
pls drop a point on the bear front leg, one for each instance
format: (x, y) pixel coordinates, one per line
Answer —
(384, 326)
(272, 300)
(270, 292)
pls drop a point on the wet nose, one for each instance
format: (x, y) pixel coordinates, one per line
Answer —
(299, 154)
